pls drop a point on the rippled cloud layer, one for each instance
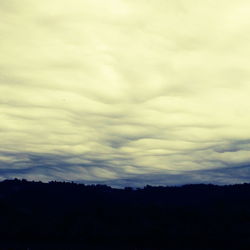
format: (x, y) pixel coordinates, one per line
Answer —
(94, 90)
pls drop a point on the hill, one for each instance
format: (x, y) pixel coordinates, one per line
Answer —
(60, 215)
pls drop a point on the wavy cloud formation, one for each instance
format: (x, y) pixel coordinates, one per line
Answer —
(97, 90)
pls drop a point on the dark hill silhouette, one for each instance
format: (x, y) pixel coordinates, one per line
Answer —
(60, 215)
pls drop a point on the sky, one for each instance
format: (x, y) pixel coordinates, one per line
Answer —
(125, 92)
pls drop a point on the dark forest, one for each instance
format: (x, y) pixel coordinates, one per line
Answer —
(62, 215)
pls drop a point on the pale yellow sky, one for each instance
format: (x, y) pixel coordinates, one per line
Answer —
(104, 89)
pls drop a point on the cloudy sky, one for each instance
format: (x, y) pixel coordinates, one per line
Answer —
(125, 91)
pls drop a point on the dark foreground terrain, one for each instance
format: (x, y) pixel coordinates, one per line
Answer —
(56, 215)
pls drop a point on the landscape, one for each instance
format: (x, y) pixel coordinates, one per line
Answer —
(124, 125)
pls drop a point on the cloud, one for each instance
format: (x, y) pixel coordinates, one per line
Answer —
(99, 90)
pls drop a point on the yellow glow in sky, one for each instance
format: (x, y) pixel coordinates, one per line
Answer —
(97, 90)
